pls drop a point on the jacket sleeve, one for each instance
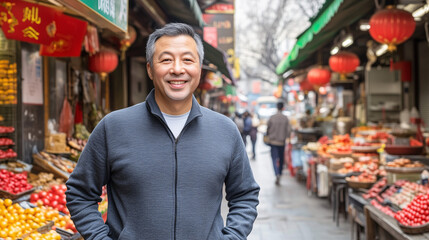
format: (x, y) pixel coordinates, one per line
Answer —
(242, 195)
(84, 187)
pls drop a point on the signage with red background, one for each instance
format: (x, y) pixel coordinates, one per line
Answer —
(34, 23)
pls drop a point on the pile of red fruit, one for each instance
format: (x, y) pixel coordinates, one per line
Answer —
(6, 142)
(416, 213)
(7, 154)
(382, 208)
(4, 129)
(55, 198)
(375, 189)
(14, 183)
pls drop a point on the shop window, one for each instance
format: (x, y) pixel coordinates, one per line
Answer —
(8, 96)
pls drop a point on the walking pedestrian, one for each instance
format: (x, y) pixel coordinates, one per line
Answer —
(247, 126)
(165, 160)
(278, 131)
(254, 134)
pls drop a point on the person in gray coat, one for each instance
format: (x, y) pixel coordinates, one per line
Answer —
(278, 131)
(166, 160)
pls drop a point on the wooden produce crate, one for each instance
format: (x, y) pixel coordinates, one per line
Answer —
(47, 166)
(11, 196)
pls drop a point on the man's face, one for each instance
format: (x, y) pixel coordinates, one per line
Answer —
(176, 69)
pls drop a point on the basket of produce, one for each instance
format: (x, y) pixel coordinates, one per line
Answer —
(340, 154)
(364, 180)
(403, 150)
(411, 221)
(14, 185)
(8, 195)
(365, 148)
(414, 229)
(404, 165)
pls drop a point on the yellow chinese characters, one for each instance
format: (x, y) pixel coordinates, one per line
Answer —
(32, 15)
(31, 33)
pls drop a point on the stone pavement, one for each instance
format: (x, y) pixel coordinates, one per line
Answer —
(287, 211)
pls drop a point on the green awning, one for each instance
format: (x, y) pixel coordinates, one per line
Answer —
(186, 11)
(218, 58)
(334, 16)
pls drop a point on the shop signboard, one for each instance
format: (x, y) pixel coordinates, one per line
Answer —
(68, 38)
(27, 22)
(60, 35)
(219, 19)
(115, 11)
(224, 23)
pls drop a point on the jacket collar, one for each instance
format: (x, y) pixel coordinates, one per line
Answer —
(154, 108)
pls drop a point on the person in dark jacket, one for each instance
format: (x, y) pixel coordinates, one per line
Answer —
(166, 160)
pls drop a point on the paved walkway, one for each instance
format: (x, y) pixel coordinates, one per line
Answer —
(286, 211)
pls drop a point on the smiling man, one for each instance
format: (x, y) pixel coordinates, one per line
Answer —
(166, 160)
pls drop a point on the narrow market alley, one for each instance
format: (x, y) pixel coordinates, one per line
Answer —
(286, 211)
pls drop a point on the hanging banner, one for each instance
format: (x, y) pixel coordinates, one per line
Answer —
(28, 22)
(68, 39)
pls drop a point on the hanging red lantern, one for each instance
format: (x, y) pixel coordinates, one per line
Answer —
(391, 26)
(129, 39)
(103, 62)
(305, 86)
(343, 63)
(319, 76)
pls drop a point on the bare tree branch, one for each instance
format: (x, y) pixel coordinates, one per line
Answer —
(263, 39)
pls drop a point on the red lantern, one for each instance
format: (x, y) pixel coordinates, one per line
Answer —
(319, 76)
(129, 39)
(103, 62)
(391, 26)
(344, 62)
(305, 86)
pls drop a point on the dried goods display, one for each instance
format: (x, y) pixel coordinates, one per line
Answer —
(44, 181)
(59, 162)
(16, 166)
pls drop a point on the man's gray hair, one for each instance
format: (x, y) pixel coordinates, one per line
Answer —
(173, 29)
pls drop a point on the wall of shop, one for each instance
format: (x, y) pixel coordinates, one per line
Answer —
(423, 84)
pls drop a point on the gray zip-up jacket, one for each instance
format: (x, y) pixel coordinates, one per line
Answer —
(159, 187)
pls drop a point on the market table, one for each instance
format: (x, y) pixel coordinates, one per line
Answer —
(356, 211)
(385, 227)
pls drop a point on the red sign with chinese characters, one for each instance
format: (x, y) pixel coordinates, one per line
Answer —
(28, 22)
(68, 39)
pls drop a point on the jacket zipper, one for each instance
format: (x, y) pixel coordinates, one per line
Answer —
(175, 169)
(175, 187)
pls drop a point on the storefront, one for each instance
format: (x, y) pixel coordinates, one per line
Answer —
(373, 167)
